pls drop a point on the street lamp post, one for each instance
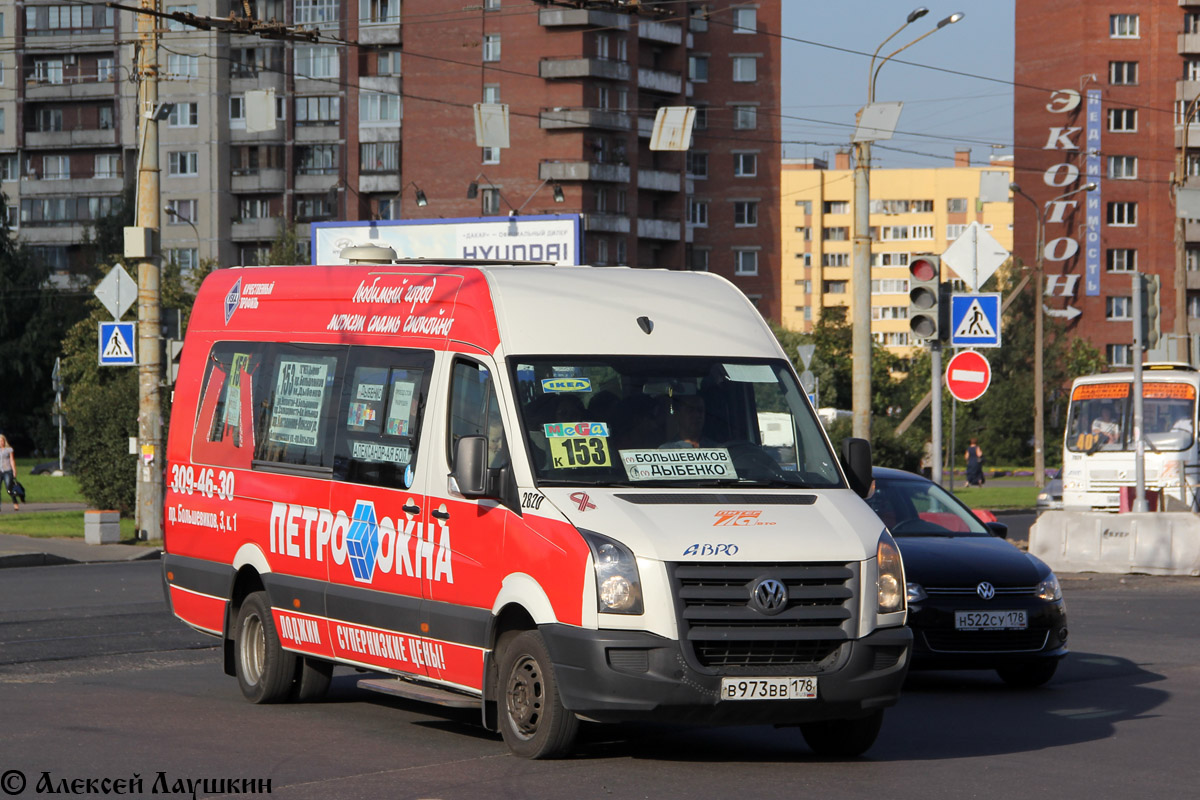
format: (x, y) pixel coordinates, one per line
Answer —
(1182, 351)
(1039, 331)
(861, 268)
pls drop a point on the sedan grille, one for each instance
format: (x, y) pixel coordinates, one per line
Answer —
(969, 591)
(727, 633)
(1029, 641)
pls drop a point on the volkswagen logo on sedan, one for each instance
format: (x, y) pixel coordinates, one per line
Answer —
(769, 596)
(986, 590)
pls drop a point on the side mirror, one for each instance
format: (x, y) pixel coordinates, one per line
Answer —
(997, 528)
(470, 465)
(856, 460)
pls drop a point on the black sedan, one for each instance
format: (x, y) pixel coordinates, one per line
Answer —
(974, 600)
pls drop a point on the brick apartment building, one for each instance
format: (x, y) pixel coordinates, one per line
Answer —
(1101, 92)
(383, 104)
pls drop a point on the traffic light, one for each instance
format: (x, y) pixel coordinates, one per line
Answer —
(925, 298)
(1151, 311)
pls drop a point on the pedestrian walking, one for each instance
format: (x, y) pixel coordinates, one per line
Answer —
(8, 470)
(974, 463)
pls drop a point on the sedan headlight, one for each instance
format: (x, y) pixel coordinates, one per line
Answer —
(916, 593)
(1049, 589)
(891, 589)
(618, 587)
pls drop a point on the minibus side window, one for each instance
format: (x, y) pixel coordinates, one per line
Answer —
(379, 419)
(475, 411)
(295, 421)
(224, 431)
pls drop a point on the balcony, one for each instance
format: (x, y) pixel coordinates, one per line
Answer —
(583, 171)
(1193, 134)
(384, 84)
(645, 127)
(666, 229)
(657, 80)
(557, 68)
(75, 138)
(379, 183)
(258, 181)
(324, 134)
(569, 118)
(254, 229)
(379, 32)
(316, 182)
(658, 180)
(74, 90)
(1189, 43)
(665, 32)
(579, 18)
(606, 223)
(90, 187)
(1193, 279)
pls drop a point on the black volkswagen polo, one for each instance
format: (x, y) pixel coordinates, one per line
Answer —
(974, 600)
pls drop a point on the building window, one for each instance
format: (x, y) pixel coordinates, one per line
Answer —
(956, 205)
(375, 107)
(922, 232)
(56, 168)
(889, 286)
(601, 252)
(1122, 120)
(835, 259)
(1122, 167)
(701, 121)
(698, 19)
(745, 262)
(889, 259)
(1122, 259)
(698, 260)
(315, 206)
(891, 338)
(602, 45)
(697, 213)
(48, 119)
(697, 164)
(744, 20)
(892, 233)
(9, 168)
(237, 112)
(107, 165)
(48, 71)
(1191, 22)
(836, 234)
(954, 231)
(319, 110)
(834, 287)
(745, 69)
(490, 201)
(316, 12)
(698, 69)
(805, 206)
(253, 207)
(1193, 306)
(1122, 73)
(387, 63)
(183, 163)
(379, 156)
(184, 115)
(1118, 308)
(317, 159)
(491, 47)
(1122, 214)
(805, 232)
(622, 201)
(745, 165)
(185, 258)
(373, 12)
(182, 67)
(745, 213)
(316, 62)
(745, 118)
(1191, 69)
(181, 212)
(889, 312)
(1119, 355)
(1191, 259)
(835, 207)
(174, 25)
(1123, 26)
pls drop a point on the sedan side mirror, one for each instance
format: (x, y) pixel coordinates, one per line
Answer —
(997, 528)
(856, 460)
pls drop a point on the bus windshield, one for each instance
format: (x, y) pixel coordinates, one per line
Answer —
(1101, 416)
(669, 421)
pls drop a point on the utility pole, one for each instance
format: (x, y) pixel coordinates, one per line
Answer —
(151, 455)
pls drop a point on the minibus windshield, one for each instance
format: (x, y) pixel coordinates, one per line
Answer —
(669, 421)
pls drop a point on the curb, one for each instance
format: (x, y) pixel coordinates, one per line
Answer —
(53, 559)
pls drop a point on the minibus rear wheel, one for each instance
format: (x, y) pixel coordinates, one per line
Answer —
(264, 670)
(532, 718)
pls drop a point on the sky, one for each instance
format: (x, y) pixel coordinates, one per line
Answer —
(823, 87)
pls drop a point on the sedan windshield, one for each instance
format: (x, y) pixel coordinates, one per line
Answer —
(669, 421)
(917, 507)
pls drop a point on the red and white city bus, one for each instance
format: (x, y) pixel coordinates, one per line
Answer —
(540, 491)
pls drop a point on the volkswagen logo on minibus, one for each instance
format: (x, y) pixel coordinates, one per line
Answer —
(769, 596)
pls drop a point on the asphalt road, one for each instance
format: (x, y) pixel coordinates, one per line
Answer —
(98, 681)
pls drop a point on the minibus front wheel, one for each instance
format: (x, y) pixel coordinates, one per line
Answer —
(265, 671)
(532, 718)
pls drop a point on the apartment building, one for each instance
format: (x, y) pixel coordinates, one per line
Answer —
(913, 211)
(382, 104)
(1102, 94)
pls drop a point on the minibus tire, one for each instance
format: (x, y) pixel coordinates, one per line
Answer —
(842, 738)
(265, 671)
(533, 722)
(313, 677)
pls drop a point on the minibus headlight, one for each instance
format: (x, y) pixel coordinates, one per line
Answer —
(618, 587)
(891, 587)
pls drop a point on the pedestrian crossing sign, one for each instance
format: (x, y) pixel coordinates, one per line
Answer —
(975, 319)
(117, 344)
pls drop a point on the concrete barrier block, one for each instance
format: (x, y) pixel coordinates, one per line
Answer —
(1166, 543)
(102, 527)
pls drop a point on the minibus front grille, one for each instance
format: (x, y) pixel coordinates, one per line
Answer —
(726, 631)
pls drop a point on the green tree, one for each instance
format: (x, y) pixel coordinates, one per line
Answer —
(286, 249)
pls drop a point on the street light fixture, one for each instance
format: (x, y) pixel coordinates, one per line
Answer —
(1039, 330)
(175, 215)
(861, 268)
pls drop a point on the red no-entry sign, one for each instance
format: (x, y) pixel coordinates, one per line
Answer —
(968, 375)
